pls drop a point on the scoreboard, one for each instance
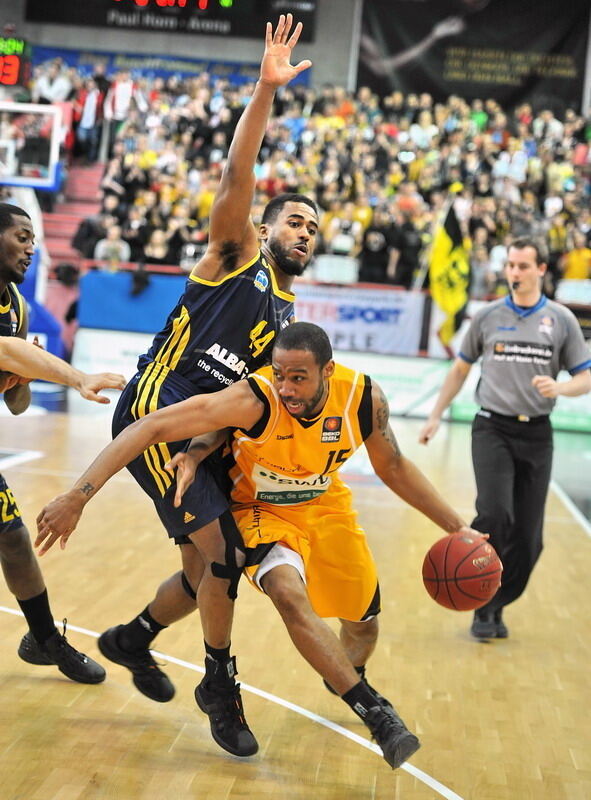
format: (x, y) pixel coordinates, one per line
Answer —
(15, 61)
(243, 18)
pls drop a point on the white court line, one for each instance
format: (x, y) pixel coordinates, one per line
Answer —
(434, 784)
(11, 458)
(571, 507)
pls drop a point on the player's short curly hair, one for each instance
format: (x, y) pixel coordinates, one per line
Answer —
(275, 205)
(7, 214)
(306, 336)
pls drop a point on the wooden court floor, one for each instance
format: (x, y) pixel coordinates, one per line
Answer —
(508, 720)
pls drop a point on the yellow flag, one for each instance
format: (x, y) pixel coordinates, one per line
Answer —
(449, 273)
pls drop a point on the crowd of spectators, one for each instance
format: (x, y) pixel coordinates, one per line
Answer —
(380, 169)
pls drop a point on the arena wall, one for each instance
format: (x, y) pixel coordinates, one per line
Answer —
(334, 52)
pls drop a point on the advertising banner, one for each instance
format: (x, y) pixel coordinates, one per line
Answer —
(509, 50)
(109, 351)
(380, 320)
(147, 65)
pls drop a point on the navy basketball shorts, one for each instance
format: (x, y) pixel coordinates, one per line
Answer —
(10, 516)
(203, 502)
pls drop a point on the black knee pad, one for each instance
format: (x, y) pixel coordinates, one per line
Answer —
(231, 570)
(187, 586)
(374, 607)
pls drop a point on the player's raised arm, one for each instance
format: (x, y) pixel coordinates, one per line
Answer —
(235, 407)
(230, 216)
(400, 474)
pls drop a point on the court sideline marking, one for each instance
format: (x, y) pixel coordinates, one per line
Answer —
(11, 458)
(571, 507)
(442, 791)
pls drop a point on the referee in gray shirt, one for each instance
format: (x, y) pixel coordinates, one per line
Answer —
(524, 340)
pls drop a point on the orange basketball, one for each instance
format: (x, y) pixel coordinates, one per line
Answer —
(462, 571)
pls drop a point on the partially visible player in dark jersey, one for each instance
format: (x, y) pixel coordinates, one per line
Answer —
(42, 644)
(236, 300)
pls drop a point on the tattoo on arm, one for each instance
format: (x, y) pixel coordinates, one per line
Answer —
(383, 420)
(87, 489)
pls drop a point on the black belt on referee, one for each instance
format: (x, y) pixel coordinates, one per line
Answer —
(484, 412)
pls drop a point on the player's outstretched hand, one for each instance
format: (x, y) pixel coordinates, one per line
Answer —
(186, 466)
(91, 385)
(276, 68)
(58, 520)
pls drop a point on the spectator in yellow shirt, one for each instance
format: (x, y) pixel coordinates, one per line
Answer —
(576, 264)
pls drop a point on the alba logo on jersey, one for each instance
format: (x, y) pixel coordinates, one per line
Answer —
(230, 360)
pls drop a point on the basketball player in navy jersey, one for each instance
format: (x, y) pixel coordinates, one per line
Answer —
(21, 362)
(236, 300)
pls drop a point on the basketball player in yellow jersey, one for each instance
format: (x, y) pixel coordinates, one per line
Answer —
(285, 481)
(297, 423)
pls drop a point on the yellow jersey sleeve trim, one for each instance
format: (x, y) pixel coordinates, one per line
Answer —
(274, 411)
(4, 309)
(279, 292)
(227, 277)
(21, 309)
(347, 411)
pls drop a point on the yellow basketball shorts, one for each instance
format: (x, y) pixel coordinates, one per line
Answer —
(341, 575)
